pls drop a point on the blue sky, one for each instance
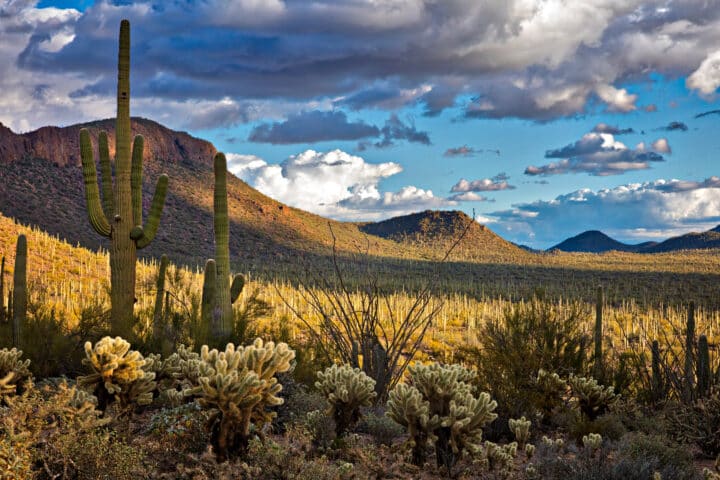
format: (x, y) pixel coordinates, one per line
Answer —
(547, 117)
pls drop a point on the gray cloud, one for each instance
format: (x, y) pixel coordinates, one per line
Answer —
(312, 127)
(395, 129)
(495, 184)
(466, 151)
(674, 127)
(598, 155)
(612, 130)
(384, 54)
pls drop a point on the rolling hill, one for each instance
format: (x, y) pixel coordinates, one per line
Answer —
(595, 241)
(42, 186)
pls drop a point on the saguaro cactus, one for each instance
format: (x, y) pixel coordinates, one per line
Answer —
(218, 299)
(158, 324)
(689, 350)
(119, 215)
(19, 290)
(704, 372)
(2, 290)
(598, 367)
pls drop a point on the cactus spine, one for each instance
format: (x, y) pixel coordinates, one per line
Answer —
(119, 215)
(158, 326)
(218, 298)
(598, 367)
(689, 347)
(704, 374)
(19, 309)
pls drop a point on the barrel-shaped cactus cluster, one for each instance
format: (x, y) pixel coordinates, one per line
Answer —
(347, 389)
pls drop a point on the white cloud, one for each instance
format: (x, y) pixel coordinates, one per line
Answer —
(335, 184)
(618, 100)
(706, 79)
(667, 206)
(661, 145)
(482, 185)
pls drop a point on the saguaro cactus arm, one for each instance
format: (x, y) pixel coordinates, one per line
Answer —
(148, 232)
(236, 288)
(106, 176)
(98, 220)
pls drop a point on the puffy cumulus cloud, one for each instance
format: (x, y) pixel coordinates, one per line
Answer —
(334, 184)
(494, 184)
(470, 197)
(633, 212)
(520, 58)
(599, 154)
(706, 79)
(661, 145)
(312, 127)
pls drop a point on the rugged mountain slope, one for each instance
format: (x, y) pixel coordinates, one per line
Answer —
(689, 241)
(595, 241)
(42, 185)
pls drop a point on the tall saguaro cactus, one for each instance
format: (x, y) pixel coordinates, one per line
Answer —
(19, 290)
(598, 366)
(218, 293)
(119, 215)
(688, 383)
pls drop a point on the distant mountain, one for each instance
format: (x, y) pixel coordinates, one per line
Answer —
(595, 241)
(689, 241)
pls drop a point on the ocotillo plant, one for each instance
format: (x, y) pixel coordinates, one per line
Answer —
(119, 215)
(19, 290)
(688, 382)
(218, 298)
(598, 367)
(158, 322)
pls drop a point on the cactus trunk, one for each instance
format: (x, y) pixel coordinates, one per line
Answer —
(704, 374)
(598, 367)
(2, 291)
(119, 215)
(688, 383)
(19, 290)
(222, 247)
(158, 321)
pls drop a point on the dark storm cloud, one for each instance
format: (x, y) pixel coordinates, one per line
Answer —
(312, 127)
(381, 54)
(395, 129)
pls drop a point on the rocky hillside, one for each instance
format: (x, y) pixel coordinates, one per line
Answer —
(42, 186)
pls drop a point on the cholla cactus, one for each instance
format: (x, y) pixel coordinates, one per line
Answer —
(521, 428)
(346, 389)
(551, 389)
(710, 475)
(591, 398)
(238, 385)
(13, 371)
(551, 444)
(119, 374)
(592, 442)
(438, 406)
(500, 458)
(529, 450)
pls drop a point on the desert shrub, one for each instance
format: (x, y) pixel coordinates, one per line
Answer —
(380, 427)
(609, 426)
(15, 459)
(346, 390)
(437, 406)
(530, 337)
(180, 427)
(698, 424)
(298, 402)
(321, 428)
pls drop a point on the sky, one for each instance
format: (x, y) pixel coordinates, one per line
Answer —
(545, 118)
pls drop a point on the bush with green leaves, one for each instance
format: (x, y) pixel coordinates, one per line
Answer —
(13, 371)
(118, 374)
(346, 390)
(437, 406)
(532, 336)
(238, 386)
